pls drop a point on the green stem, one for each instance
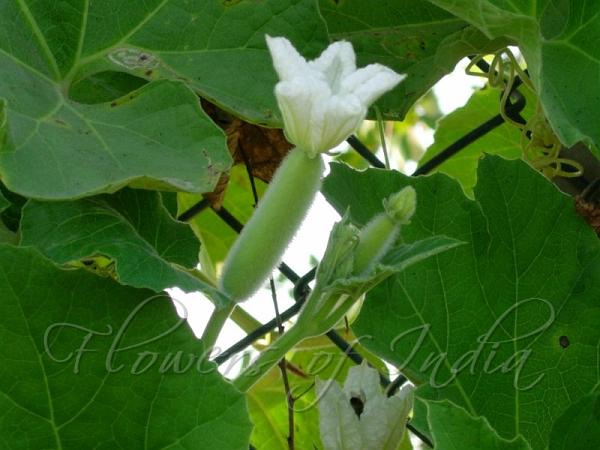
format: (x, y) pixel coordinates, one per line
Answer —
(202, 277)
(382, 136)
(215, 325)
(244, 320)
(241, 317)
(269, 358)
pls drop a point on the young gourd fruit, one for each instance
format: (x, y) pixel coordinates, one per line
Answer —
(280, 212)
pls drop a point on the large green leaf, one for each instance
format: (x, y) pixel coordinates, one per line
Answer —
(155, 137)
(88, 363)
(453, 427)
(579, 427)
(132, 228)
(504, 140)
(529, 277)
(559, 39)
(410, 36)
(159, 137)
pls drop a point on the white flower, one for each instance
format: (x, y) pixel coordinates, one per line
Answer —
(381, 422)
(323, 101)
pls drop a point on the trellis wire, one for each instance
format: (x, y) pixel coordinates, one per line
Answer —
(301, 288)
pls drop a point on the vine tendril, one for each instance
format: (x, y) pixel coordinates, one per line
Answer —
(541, 147)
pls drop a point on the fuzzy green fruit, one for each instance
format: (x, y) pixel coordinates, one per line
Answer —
(280, 212)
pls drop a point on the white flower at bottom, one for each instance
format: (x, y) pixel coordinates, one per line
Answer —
(323, 101)
(379, 426)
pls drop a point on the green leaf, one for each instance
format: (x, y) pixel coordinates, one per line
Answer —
(131, 228)
(88, 363)
(169, 201)
(579, 427)
(454, 427)
(558, 39)
(528, 278)
(156, 137)
(410, 36)
(504, 140)
(57, 148)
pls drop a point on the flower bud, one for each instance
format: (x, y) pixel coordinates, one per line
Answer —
(378, 236)
(401, 205)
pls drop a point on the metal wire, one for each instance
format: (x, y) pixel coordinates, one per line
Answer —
(194, 210)
(364, 151)
(512, 109)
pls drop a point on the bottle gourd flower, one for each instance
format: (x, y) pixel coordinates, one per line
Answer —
(360, 416)
(321, 102)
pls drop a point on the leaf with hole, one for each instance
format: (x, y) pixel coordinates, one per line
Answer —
(130, 229)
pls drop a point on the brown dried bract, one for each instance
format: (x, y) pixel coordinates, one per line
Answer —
(587, 205)
(590, 212)
(262, 149)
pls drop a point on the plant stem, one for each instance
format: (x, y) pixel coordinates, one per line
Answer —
(215, 325)
(382, 136)
(244, 320)
(284, 375)
(269, 358)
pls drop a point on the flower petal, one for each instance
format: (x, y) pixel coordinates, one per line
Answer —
(338, 423)
(336, 63)
(363, 379)
(336, 118)
(323, 101)
(287, 61)
(299, 99)
(371, 82)
(383, 420)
